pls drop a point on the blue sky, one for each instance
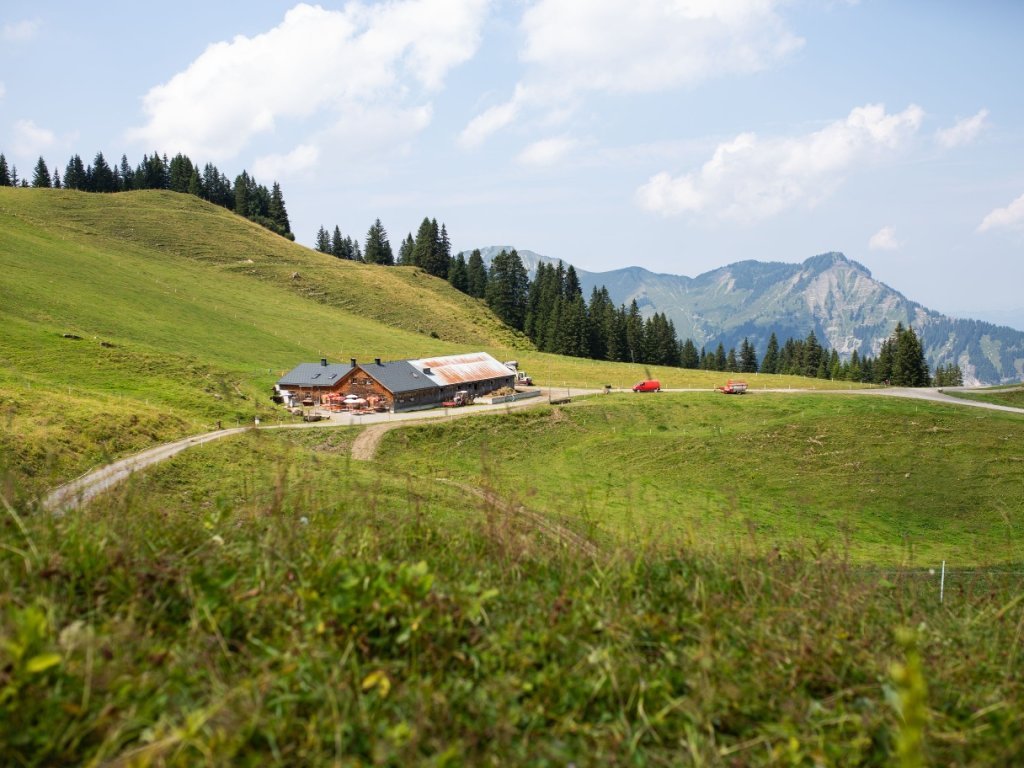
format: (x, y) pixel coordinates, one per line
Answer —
(677, 136)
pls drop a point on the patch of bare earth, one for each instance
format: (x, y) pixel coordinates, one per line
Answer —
(364, 447)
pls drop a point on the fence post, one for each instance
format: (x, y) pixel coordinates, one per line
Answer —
(942, 582)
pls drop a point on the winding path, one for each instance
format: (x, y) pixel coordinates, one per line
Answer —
(76, 493)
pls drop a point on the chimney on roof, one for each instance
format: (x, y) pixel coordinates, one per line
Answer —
(427, 371)
(323, 361)
(353, 362)
(377, 360)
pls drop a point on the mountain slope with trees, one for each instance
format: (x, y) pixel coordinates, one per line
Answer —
(829, 294)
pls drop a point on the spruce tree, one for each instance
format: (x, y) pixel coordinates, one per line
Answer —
(102, 175)
(277, 212)
(323, 241)
(634, 326)
(770, 363)
(337, 243)
(41, 179)
(126, 176)
(405, 257)
(476, 273)
(599, 314)
(378, 249)
(812, 356)
(748, 357)
(507, 285)
(424, 245)
(5, 174)
(688, 355)
(458, 277)
(179, 173)
(721, 361)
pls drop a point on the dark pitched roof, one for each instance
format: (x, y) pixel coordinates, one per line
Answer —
(314, 375)
(398, 376)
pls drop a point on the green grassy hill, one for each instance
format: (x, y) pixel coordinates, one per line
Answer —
(135, 318)
(740, 595)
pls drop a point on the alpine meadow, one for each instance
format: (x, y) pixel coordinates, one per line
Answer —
(489, 384)
(618, 579)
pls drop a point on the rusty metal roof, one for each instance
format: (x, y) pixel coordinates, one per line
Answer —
(461, 369)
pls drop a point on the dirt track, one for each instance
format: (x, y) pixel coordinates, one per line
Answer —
(74, 494)
(364, 447)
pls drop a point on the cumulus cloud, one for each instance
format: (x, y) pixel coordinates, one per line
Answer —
(884, 240)
(19, 31)
(635, 46)
(31, 140)
(315, 62)
(278, 166)
(750, 178)
(963, 132)
(547, 151)
(1010, 217)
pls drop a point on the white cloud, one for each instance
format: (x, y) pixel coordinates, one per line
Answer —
(963, 132)
(752, 178)
(651, 45)
(315, 62)
(884, 240)
(491, 120)
(636, 46)
(1010, 217)
(19, 31)
(547, 151)
(31, 140)
(279, 166)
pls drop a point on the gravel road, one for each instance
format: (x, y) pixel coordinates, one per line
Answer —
(73, 495)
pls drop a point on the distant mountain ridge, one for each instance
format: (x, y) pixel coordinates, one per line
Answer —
(832, 295)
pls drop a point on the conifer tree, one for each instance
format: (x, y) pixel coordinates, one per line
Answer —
(323, 241)
(102, 175)
(748, 357)
(458, 277)
(195, 184)
(812, 356)
(721, 361)
(277, 213)
(770, 363)
(337, 248)
(5, 174)
(378, 248)
(476, 273)
(600, 314)
(507, 285)
(688, 355)
(405, 257)
(56, 179)
(179, 173)
(634, 326)
(41, 178)
(425, 245)
(126, 175)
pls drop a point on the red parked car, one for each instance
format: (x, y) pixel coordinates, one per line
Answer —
(651, 385)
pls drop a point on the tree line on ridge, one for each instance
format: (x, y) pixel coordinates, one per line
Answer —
(179, 174)
(551, 311)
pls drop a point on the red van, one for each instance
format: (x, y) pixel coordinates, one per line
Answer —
(651, 385)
